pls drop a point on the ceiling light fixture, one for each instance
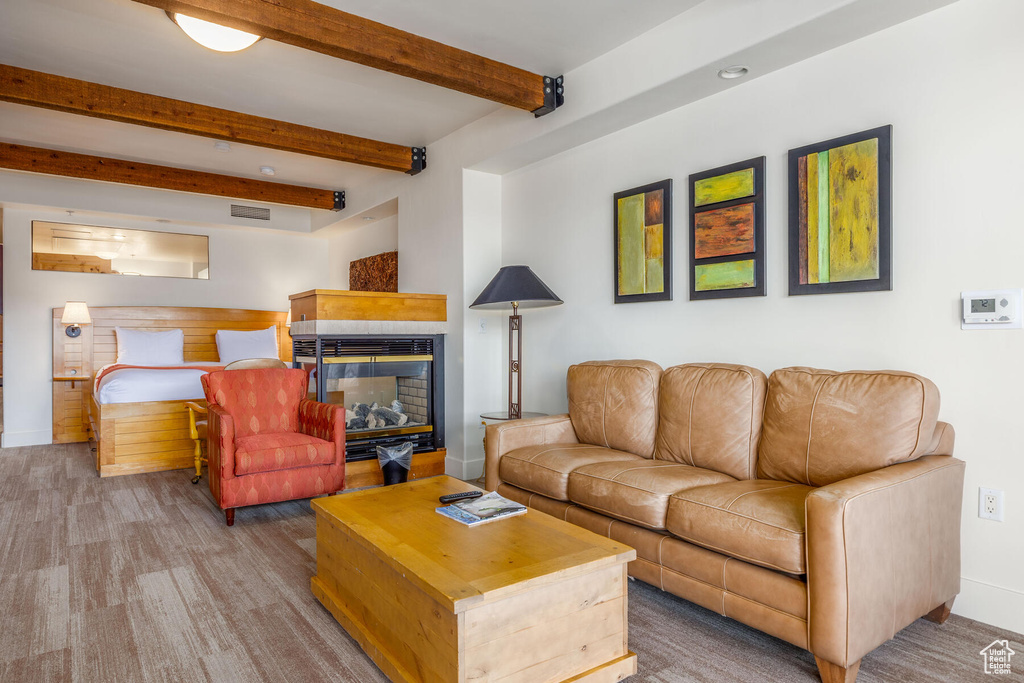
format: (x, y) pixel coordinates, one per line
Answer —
(213, 36)
(369, 218)
(736, 71)
(222, 146)
(267, 170)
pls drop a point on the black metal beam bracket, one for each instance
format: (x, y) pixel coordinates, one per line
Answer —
(554, 95)
(339, 200)
(419, 160)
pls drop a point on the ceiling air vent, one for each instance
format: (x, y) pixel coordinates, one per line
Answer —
(254, 212)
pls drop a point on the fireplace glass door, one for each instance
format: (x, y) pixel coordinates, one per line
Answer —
(392, 388)
(382, 395)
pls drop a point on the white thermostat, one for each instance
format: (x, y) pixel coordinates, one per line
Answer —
(993, 309)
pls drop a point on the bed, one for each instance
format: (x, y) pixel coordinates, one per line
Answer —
(131, 435)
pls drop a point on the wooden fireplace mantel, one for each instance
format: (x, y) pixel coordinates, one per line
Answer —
(340, 304)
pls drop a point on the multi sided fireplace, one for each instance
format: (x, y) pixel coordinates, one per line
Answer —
(392, 387)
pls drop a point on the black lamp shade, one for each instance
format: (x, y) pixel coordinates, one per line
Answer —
(518, 284)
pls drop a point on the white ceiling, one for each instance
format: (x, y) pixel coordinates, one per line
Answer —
(128, 45)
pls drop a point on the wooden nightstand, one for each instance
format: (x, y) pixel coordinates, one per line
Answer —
(70, 418)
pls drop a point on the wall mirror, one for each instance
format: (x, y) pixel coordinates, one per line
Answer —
(78, 248)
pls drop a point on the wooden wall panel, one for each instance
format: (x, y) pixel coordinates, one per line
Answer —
(200, 326)
(70, 359)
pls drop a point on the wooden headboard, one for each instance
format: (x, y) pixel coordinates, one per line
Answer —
(97, 345)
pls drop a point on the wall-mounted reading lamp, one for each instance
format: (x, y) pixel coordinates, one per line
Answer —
(76, 313)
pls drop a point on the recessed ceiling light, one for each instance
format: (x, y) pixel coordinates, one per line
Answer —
(267, 170)
(222, 146)
(213, 36)
(736, 71)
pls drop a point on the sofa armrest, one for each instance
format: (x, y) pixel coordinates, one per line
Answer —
(883, 549)
(220, 448)
(508, 436)
(324, 421)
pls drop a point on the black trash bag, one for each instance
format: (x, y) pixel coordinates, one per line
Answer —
(395, 462)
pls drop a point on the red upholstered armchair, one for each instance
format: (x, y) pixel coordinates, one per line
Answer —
(267, 443)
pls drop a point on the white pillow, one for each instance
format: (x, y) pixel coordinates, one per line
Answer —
(235, 345)
(141, 347)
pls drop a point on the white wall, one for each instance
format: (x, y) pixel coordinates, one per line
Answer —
(483, 331)
(356, 243)
(251, 268)
(948, 83)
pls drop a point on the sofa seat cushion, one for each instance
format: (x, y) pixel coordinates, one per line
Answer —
(280, 451)
(636, 492)
(545, 469)
(756, 520)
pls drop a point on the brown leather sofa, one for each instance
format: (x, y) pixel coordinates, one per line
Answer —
(820, 507)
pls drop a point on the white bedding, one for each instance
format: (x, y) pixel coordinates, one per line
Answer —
(130, 385)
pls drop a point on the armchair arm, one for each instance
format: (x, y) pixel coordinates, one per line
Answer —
(220, 448)
(508, 436)
(883, 549)
(324, 421)
(196, 413)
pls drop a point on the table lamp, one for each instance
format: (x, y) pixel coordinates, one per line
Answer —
(76, 313)
(518, 286)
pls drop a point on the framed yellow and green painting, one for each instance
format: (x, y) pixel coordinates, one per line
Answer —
(727, 231)
(643, 243)
(840, 214)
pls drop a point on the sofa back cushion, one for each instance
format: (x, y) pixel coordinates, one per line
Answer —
(614, 404)
(710, 417)
(822, 426)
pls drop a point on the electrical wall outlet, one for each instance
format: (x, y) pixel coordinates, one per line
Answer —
(990, 504)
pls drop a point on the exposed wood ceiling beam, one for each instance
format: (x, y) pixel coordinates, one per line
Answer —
(323, 29)
(72, 165)
(37, 89)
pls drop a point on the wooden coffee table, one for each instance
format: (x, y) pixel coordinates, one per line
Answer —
(529, 598)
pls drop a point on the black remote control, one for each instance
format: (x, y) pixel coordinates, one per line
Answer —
(455, 497)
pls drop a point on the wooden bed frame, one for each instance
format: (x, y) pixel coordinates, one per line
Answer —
(147, 436)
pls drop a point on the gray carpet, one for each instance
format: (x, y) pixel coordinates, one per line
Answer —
(137, 578)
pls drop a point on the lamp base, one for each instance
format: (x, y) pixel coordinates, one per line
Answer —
(72, 331)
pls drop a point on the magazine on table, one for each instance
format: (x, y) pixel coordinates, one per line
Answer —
(486, 508)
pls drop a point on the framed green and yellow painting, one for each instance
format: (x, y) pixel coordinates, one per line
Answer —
(840, 214)
(727, 231)
(643, 243)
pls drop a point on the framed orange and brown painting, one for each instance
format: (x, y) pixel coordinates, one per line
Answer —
(727, 231)
(840, 214)
(643, 243)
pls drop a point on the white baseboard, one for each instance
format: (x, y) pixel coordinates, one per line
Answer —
(474, 469)
(1000, 607)
(15, 439)
(454, 467)
(461, 469)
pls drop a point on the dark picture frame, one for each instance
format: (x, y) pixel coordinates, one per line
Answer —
(727, 231)
(642, 243)
(868, 236)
